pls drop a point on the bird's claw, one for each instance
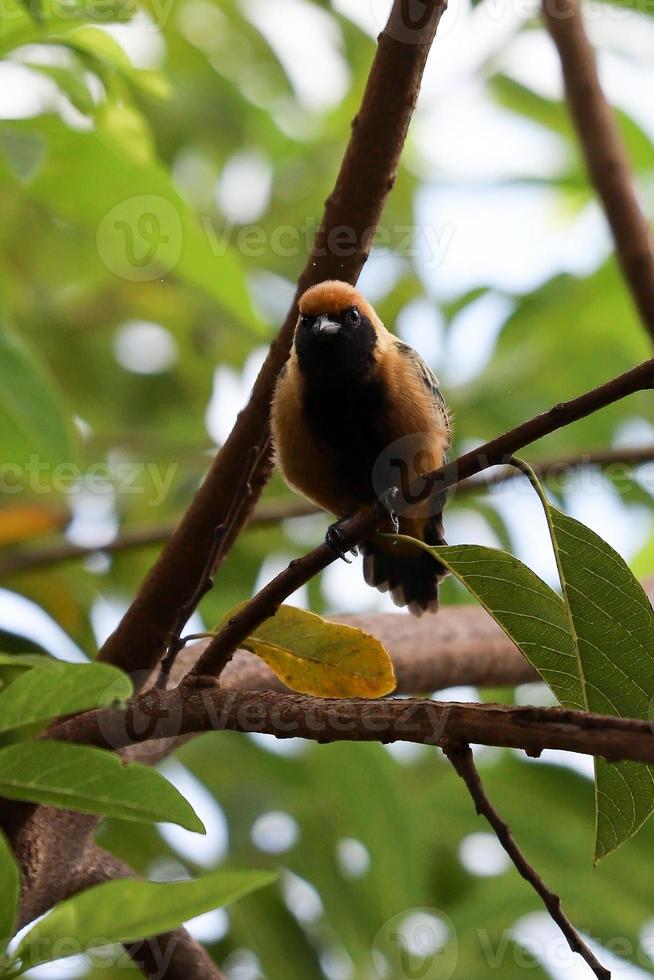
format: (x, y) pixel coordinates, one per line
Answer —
(336, 540)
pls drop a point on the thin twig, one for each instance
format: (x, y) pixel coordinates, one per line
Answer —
(132, 539)
(549, 469)
(363, 524)
(604, 150)
(221, 535)
(462, 759)
(176, 642)
(274, 512)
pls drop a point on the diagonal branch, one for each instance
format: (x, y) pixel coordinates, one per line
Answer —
(461, 758)
(604, 151)
(362, 525)
(274, 512)
(365, 179)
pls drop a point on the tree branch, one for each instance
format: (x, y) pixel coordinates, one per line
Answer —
(462, 760)
(158, 714)
(362, 525)
(37, 847)
(548, 469)
(134, 538)
(364, 181)
(604, 151)
(276, 511)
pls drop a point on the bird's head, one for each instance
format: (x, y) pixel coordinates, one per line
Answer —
(338, 331)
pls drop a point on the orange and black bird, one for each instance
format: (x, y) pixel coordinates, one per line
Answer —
(358, 415)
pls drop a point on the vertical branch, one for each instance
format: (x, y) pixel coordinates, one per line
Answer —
(604, 151)
(461, 758)
(365, 179)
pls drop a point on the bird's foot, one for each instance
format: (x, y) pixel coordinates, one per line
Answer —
(336, 540)
(388, 499)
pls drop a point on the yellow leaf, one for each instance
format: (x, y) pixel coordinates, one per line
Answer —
(328, 660)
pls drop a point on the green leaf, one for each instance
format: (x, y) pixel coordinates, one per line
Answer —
(328, 660)
(9, 894)
(104, 52)
(594, 648)
(142, 229)
(102, 46)
(71, 84)
(34, 420)
(60, 689)
(554, 115)
(527, 609)
(124, 911)
(27, 660)
(89, 780)
(613, 626)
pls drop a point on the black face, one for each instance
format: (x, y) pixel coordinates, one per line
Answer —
(329, 345)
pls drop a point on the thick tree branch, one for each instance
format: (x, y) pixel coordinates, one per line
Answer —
(164, 714)
(604, 151)
(363, 524)
(275, 512)
(461, 758)
(364, 181)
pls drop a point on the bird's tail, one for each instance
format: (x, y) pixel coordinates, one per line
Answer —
(411, 575)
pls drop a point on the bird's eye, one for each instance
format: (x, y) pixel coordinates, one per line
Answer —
(353, 316)
(307, 319)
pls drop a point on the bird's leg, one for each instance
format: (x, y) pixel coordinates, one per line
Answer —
(336, 540)
(388, 499)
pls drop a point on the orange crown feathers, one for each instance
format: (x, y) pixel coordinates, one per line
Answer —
(332, 297)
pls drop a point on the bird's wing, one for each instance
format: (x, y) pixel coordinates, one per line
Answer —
(427, 377)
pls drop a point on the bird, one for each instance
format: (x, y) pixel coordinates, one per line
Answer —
(357, 416)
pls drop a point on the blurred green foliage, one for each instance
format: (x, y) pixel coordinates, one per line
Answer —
(116, 213)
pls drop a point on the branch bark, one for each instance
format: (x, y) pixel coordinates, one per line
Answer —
(164, 714)
(362, 525)
(604, 152)
(274, 512)
(366, 176)
(462, 760)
